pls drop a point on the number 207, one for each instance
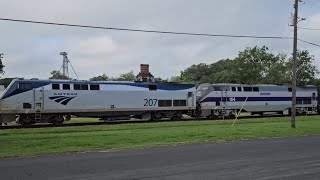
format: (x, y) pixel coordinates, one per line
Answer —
(150, 102)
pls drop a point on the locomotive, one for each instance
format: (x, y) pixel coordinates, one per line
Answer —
(228, 99)
(53, 101)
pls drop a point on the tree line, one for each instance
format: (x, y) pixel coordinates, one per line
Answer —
(253, 65)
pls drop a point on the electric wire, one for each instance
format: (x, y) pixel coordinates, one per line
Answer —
(156, 31)
(146, 31)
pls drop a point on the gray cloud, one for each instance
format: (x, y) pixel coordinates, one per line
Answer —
(33, 50)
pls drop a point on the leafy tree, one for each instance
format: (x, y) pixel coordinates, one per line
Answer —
(103, 77)
(57, 75)
(160, 80)
(175, 79)
(253, 66)
(129, 76)
(224, 71)
(1, 65)
(306, 70)
(6, 81)
(199, 73)
(276, 71)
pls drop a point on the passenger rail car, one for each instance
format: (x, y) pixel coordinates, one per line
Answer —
(54, 101)
(227, 99)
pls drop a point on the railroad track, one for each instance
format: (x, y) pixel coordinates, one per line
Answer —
(47, 125)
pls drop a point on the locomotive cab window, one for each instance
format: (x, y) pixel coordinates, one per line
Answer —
(66, 86)
(25, 86)
(94, 87)
(55, 86)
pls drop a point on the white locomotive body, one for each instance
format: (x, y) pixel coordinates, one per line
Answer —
(227, 99)
(55, 100)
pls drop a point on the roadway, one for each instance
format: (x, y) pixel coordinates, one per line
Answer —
(283, 158)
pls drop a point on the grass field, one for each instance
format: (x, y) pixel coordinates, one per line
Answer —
(29, 142)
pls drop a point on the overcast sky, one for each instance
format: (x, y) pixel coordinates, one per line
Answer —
(32, 50)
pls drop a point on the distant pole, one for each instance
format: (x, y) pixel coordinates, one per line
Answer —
(294, 65)
(1, 56)
(65, 71)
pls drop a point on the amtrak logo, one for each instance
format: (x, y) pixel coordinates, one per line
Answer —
(64, 100)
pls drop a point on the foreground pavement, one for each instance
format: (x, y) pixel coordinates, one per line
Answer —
(285, 158)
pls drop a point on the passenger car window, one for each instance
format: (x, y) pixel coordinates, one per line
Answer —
(256, 89)
(239, 88)
(233, 88)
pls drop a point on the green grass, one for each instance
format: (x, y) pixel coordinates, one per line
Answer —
(30, 142)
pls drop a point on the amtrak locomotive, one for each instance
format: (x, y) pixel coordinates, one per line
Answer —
(53, 101)
(228, 99)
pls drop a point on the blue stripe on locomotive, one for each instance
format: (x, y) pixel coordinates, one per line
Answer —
(224, 99)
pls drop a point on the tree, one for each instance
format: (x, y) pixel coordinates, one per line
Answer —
(306, 70)
(160, 80)
(129, 76)
(1, 65)
(103, 77)
(224, 71)
(254, 65)
(6, 81)
(57, 75)
(199, 73)
(175, 79)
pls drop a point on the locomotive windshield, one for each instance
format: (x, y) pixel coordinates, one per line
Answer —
(203, 90)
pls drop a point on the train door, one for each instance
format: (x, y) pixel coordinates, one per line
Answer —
(224, 97)
(38, 97)
(314, 102)
(190, 99)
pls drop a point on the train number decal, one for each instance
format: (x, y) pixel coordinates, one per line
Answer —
(150, 102)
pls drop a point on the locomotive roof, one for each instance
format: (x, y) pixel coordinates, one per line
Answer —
(257, 85)
(101, 82)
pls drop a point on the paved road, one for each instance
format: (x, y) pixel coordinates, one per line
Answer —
(287, 158)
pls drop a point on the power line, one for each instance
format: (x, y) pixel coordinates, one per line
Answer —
(155, 31)
(309, 42)
(146, 31)
(305, 28)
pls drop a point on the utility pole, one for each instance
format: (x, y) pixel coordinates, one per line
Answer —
(1, 56)
(294, 65)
